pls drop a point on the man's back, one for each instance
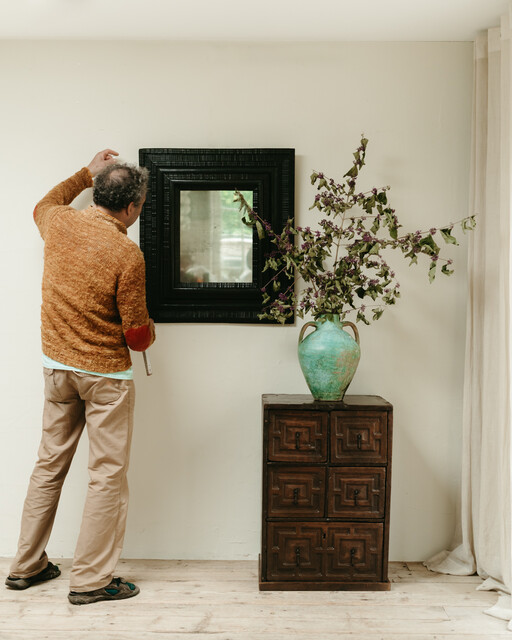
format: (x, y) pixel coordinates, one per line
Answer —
(91, 272)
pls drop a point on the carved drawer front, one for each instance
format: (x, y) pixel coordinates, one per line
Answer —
(295, 551)
(354, 552)
(357, 492)
(359, 437)
(298, 436)
(296, 492)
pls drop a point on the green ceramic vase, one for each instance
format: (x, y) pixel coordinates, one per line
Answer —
(329, 357)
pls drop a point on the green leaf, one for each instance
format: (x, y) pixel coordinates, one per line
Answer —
(469, 223)
(447, 236)
(361, 318)
(429, 243)
(373, 294)
(276, 285)
(369, 204)
(377, 313)
(259, 229)
(382, 198)
(446, 270)
(352, 173)
(432, 271)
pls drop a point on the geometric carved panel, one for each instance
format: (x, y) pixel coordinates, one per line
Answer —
(359, 437)
(326, 481)
(298, 436)
(354, 551)
(357, 492)
(296, 491)
(295, 551)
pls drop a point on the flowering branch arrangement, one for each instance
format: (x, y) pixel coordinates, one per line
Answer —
(341, 263)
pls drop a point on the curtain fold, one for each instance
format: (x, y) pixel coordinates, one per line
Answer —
(483, 541)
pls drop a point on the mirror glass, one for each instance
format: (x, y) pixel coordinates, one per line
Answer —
(215, 245)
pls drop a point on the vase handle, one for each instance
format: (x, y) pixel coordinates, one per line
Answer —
(303, 330)
(353, 327)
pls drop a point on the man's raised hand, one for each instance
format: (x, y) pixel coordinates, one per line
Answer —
(101, 160)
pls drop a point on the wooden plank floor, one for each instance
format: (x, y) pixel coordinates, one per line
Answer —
(220, 599)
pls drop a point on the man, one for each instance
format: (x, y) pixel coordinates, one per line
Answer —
(93, 310)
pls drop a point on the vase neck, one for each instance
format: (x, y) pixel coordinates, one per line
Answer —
(331, 317)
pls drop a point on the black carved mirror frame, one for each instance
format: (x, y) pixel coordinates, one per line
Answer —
(268, 173)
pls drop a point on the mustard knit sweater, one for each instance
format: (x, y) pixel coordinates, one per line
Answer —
(94, 300)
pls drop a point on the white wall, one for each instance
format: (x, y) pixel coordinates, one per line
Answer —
(196, 458)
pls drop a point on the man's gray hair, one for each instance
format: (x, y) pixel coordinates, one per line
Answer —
(119, 184)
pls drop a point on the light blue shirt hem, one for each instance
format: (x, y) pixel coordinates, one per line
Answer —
(117, 375)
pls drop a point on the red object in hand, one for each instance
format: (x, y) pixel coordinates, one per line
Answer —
(138, 339)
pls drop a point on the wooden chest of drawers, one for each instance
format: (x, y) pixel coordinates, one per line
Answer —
(326, 493)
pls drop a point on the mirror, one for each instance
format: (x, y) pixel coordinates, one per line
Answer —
(215, 245)
(202, 263)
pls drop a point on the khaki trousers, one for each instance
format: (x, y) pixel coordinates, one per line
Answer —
(105, 405)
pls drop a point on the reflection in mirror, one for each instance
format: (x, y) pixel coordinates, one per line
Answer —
(215, 245)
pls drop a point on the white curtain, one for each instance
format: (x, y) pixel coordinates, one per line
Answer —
(483, 541)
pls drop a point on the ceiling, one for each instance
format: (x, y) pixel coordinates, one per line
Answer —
(250, 20)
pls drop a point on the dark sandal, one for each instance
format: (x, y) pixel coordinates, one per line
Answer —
(50, 572)
(118, 589)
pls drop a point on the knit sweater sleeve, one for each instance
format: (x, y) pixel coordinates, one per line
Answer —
(59, 198)
(131, 304)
